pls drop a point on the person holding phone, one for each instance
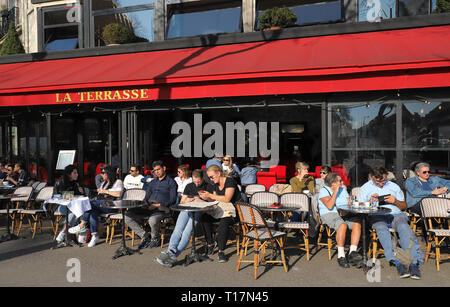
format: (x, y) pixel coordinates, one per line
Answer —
(423, 185)
(397, 219)
(183, 227)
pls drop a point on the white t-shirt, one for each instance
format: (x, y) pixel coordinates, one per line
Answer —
(182, 184)
(131, 182)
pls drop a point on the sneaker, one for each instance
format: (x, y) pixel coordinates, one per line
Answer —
(402, 271)
(354, 258)
(94, 240)
(61, 236)
(76, 229)
(222, 257)
(414, 271)
(342, 261)
(165, 259)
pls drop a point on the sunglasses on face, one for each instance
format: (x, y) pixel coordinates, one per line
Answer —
(226, 160)
(102, 173)
(323, 173)
(425, 172)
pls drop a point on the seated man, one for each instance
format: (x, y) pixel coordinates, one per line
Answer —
(378, 185)
(423, 185)
(163, 190)
(21, 177)
(133, 179)
(332, 196)
(183, 228)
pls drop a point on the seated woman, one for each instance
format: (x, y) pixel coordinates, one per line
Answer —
(68, 182)
(111, 188)
(231, 169)
(225, 190)
(320, 182)
(182, 180)
(183, 228)
(302, 181)
(331, 197)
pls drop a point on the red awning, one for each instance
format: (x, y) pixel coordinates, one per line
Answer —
(397, 59)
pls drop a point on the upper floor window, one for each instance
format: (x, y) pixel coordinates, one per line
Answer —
(136, 15)
(308, 12)
(203, 17)
(62, 27)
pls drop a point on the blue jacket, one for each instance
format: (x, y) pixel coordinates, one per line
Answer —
(415, 191)
(164, 191)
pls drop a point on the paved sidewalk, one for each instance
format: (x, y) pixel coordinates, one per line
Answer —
(32, 262)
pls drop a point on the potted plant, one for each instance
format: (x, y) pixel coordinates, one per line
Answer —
(442, 6)
(116, 34)
(276, 18)
(12, 43)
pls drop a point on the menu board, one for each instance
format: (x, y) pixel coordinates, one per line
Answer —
(65, 157)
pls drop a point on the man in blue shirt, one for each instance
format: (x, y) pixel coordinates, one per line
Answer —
(161, 194)
(377, 186)
(423, 185)
(216, 160)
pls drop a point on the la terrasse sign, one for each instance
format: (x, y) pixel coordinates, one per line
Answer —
(103, 96)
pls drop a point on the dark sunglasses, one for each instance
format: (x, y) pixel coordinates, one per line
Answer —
(103, 173)
(425, 172)
(324, 173)
(226, 159)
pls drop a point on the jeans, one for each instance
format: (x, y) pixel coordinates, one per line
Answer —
(222, 230)
(92, 215)
(381, 224)
(71, 218)
(182, 232)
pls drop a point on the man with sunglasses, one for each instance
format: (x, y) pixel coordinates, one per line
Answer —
(423, 185)
(133, 179)
(377, 186)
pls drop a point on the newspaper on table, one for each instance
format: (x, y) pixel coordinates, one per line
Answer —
(78, 205)
(199, 204)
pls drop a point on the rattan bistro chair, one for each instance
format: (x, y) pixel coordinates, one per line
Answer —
(435, 209)
(301, 202)
(115, 219)
(34, 214)
(322, 227)
(253, 188)
(256, 230)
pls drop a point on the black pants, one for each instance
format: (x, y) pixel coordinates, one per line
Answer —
(222, 230)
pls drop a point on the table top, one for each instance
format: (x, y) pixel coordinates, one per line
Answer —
(275, 209)
(123, 204)
(190, 209)
(9, 196)
(364, 210)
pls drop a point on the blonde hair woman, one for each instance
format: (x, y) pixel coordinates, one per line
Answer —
(183, 179)
(225, 190)
(230, 168)
(302, 181)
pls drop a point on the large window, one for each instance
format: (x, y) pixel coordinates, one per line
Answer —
(62, 27)
(136, 15)
(376, 10)
(392, 134)
(308, 12)
(201, 18)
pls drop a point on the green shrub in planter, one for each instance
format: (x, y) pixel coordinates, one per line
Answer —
(442, 6)
(116, 33)
(12, 43)
(277, 17)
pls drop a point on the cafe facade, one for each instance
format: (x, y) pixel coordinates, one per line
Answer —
(350, 92)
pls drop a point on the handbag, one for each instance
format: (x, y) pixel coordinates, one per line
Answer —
(403, 256)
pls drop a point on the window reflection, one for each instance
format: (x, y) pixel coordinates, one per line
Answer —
(321, 11)
(426, 125)
(110, 4)
(359, 126)
(140, 22)
(413, 7)
(371, 10)
(189, 22)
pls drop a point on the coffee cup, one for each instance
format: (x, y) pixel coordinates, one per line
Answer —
(306, 192)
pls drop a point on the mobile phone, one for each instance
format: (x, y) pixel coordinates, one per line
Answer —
(381, 200)
(202, 191)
